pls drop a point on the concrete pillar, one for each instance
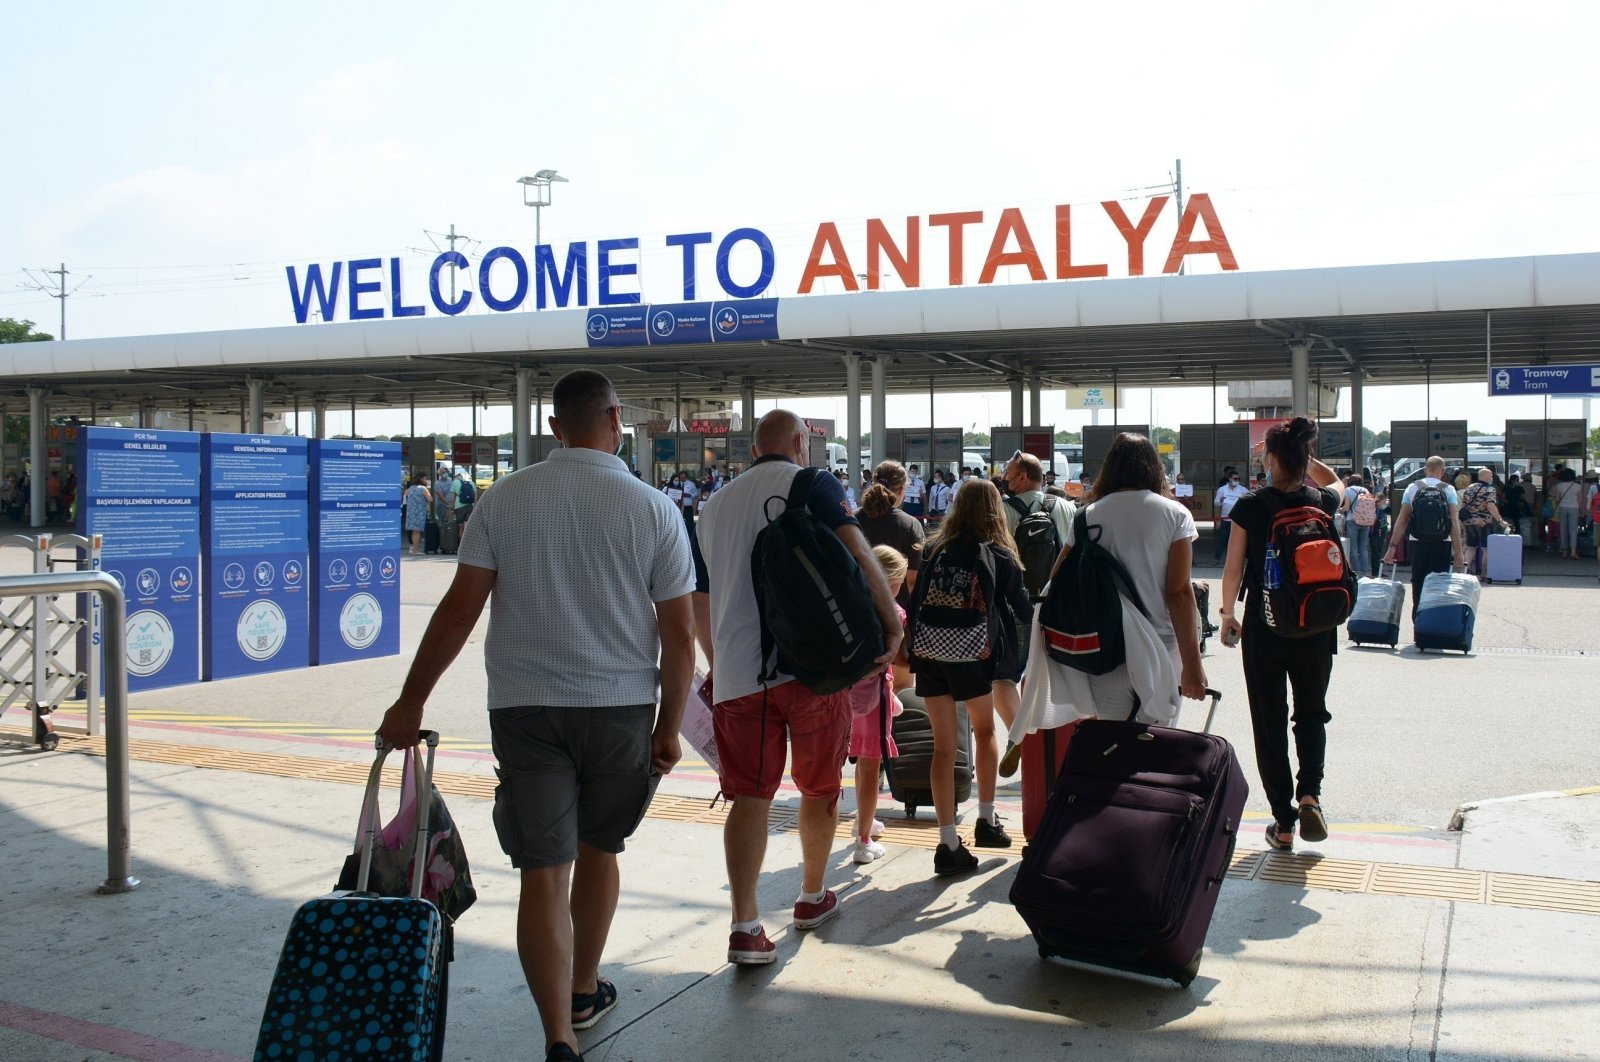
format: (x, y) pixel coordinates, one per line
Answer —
(147, 415)
(852, 418)
(38, 415)
(521, 410)
(319, 418)
(1358, 456)
(880, 409)
(1035, 400)
(1300, 377)
(1017, 423)
(258, 405)
(747, 405)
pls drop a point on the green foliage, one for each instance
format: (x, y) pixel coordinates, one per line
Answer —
(975, 438)
(13, 331)
(1065, 436)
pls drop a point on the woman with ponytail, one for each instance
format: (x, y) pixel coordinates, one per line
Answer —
(1271, 661)
(884, 523)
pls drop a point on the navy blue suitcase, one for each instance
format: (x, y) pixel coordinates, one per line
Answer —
(1126, 866)
(363, 977)
(1447, 627)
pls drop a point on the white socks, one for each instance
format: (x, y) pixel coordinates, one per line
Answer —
(949, 837)
(747, 927)
(986, 812)
(812, 897)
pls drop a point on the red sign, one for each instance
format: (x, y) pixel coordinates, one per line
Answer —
(461, 451)
(708, 427)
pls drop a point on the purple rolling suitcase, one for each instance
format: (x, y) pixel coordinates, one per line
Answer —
(1504, 563)
(1133, 848)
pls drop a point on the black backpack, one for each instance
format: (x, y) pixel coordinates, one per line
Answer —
(815, 606)
(952, 619)
(1430, 514)
(1038, 543)
(1082, 616)
(469, 492)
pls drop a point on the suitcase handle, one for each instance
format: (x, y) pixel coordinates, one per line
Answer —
(371, 824)
(1211, 713)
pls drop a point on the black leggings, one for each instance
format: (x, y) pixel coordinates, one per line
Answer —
(1306, 664)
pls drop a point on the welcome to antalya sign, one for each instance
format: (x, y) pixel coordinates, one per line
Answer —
(918, 251)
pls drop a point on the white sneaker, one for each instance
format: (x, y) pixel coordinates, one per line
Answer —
(866, 853)
(876, 831)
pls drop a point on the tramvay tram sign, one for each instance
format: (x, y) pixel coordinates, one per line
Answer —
(360, 283)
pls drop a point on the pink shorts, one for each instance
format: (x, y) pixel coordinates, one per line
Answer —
(869, 725)
(754, 733)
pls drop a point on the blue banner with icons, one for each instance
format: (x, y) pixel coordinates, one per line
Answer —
(1579, 380)
(254, 555)
(677, 323)
(355, 550)
(139, 490)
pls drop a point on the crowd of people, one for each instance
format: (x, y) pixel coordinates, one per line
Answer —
(579, 758)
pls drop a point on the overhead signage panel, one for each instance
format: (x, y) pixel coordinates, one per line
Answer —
(1336, 440)
(140, 491)
(1545, 380)
(681, 323)
(1428, 438)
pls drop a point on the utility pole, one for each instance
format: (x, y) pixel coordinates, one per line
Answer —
(1177, 187)
(56, 290)
(450, 239)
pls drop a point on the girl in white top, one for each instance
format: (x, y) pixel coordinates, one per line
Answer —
(1153, 538)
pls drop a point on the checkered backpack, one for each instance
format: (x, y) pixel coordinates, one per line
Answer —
(950, 621)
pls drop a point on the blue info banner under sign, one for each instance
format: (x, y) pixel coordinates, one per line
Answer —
(1545, 380)
(139, 489)
(355, 550)
(678, 323)
(255, 554)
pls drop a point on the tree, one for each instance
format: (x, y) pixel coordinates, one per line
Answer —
(13, 331)
(1594, 444)
(1064, 436)
(975, 438)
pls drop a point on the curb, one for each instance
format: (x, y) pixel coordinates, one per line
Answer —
(1458, 820)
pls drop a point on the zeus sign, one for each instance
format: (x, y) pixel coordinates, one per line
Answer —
(744, 263)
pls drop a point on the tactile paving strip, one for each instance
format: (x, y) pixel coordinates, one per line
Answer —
(1283, 868)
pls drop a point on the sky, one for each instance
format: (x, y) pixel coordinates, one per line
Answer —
(178, 156)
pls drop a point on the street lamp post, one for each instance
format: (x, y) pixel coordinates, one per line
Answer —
(536, 193)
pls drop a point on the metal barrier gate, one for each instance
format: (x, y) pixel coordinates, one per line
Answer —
(46, 645)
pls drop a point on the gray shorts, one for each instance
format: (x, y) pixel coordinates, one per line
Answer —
(570, 775)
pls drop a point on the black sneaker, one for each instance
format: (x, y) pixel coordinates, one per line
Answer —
(985, 835)
(947, 863)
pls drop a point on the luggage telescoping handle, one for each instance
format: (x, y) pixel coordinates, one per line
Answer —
(1211, 713)
(371, 822)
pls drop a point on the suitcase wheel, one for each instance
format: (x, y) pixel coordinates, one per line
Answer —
(911, 810)
(1186, 977)
(49, 741)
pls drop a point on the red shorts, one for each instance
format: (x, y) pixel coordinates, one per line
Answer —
(754, 733)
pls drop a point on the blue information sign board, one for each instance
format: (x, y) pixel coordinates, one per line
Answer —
(355, 550)
(1545, 380)
(255, 554)
(139, 489)
(669, 324)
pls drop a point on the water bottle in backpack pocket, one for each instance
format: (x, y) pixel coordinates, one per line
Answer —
(1308, 586)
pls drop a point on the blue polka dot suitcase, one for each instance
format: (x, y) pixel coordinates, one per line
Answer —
(362, 977)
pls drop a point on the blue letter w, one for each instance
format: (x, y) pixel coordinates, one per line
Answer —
(327, 295)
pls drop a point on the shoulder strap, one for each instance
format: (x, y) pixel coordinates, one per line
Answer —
(1019, 505)
(800, 489)
(1047, 503)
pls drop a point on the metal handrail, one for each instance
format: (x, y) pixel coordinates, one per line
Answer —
(119, 869)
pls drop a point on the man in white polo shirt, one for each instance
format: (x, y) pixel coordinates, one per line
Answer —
(582, 608)
(756, 725)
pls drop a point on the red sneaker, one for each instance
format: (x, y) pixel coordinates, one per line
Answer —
(751, 949)
(812, 915)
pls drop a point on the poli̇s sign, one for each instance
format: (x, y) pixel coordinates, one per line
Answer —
(355, 550)
(256, 554)
(139, 489)
(918, 251)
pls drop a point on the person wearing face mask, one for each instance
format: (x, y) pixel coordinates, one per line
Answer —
(1228, 496)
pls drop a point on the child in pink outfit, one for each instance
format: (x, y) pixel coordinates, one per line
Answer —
(873, 704)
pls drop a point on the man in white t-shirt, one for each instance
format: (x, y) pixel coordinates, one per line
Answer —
(1228, 496)
(583, 611)
(758, 723)
(1429, 551)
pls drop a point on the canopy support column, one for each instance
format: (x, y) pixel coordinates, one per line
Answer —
(258, 405)
(1016, 411)
(1300, 375)
(880, 409)
(37, 472)
(521, 414)
(319, 419)
(1035, 400)
(1358, 455)
(852, 419)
